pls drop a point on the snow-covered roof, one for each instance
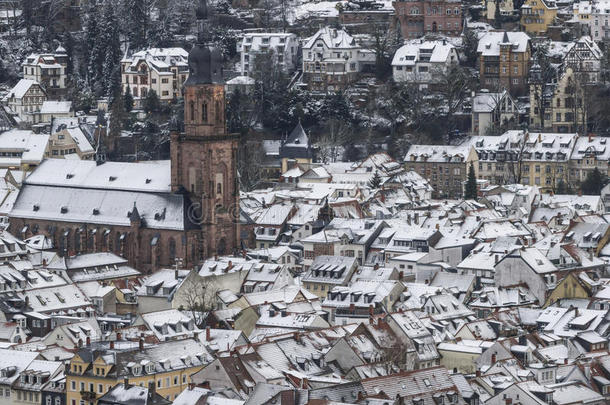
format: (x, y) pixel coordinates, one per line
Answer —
(489, 43)
(152, 177)
(56, 107)
(418, 51)
(32, 146)
(21, 88)
(332, 38)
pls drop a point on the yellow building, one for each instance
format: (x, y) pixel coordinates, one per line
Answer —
(569, 287)
(536, 16)
(96, 368)
(563, 109)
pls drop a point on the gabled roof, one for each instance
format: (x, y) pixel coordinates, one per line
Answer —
(333, 38)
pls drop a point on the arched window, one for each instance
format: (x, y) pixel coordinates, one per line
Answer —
(222, 247)
(77, 244)
(219, 188)
(117, 243)
(172, 249)
(218, 112)
(204, 112)
(192, 111)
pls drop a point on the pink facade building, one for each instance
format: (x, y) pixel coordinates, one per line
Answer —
(419, 17)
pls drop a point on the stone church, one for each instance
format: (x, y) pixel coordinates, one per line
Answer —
(153, 213)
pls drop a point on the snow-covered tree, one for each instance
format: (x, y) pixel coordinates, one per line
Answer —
(137, 22)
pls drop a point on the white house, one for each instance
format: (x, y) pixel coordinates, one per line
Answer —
(25, 100)
(423, 62)
(284, 48)
(332, 59)
(48, 69)
(492, 109)
(163, 70)
(584, 57)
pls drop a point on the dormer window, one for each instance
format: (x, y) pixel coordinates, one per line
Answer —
(136, 370)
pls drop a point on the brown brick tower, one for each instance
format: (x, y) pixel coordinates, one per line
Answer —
(204, 156)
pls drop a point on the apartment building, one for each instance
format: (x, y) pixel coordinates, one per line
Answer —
(163, 70)
(599, 22)
(504, 59)
(563, 104)
(445, 166)
(589, 152)
(540, 159)
(419, 17)
(96, 368)
(49, 70)
(537, 15)
(333, 59)
(282, 47)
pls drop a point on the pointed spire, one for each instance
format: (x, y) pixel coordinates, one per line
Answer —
(202, 19)
(134, 215)
(505, 39)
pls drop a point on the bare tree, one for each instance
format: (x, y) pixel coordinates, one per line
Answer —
(336, 135)
(198, 296)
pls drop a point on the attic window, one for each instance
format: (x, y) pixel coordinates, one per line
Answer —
(112, 178)
(36, 207)
(96, 211)
(64, 210)
(69, 176)
(148, 181)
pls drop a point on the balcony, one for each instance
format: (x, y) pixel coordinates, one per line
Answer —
(88, 395)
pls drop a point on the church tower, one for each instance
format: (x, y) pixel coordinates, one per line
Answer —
(204, 156)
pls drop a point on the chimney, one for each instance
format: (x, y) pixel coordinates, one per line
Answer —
(118, 336)
(112, 345)
(493, 359)
(44, 263)
(176, 274)
(141, 344)
(478, 373)
(376, 266)
(126, 382)
(207, 334)
(88, 341)
(401, 275)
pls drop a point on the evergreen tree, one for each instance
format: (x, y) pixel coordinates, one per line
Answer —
(471, 43)
(470, 192)
(375, 181)
(593, 184)
(27, 15)
(152, 102)
(96, 51)
(128, 100)
(137, 23)
(116, 118)
(111, 70)
(69, 46)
